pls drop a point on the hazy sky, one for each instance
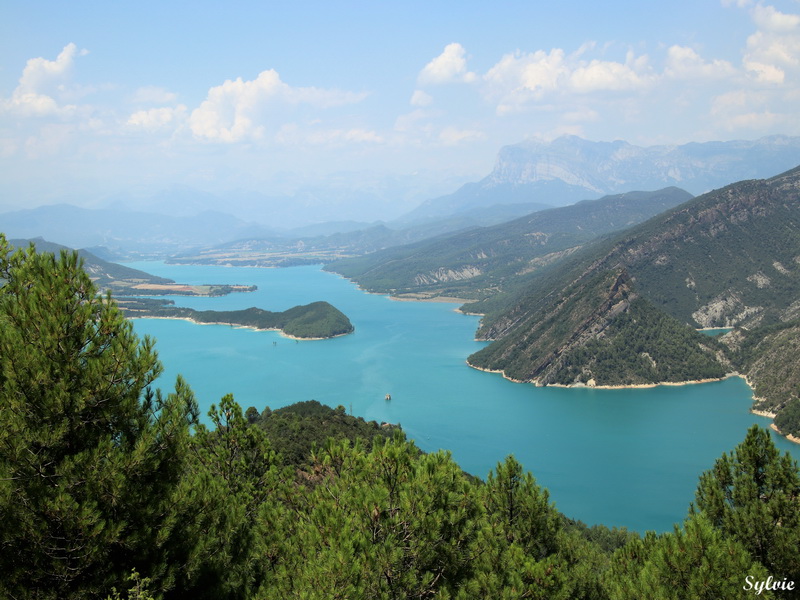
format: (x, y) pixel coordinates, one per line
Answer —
(100, 97)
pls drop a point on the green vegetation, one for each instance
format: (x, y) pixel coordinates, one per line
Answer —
(483, 261)
(602, 333)
(110, 489)
(751, 495)
(310, 321)
(788, 420)
(296, 430)
(768, 356)
(91, 462)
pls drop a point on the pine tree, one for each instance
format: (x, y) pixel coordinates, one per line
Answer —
(89, 455)
(753, 496)
(695, 562)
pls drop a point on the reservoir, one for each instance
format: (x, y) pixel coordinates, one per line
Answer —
(627, 457)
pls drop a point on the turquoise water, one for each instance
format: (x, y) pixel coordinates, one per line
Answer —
(715, 331)
(619, 457)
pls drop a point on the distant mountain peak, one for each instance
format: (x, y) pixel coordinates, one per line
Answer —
(569, 169)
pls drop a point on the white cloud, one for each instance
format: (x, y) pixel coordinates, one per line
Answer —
(522, 80)
(39, 72)
(602, 75)
(449, 67)
(156, 118)
(235, 110)
(768, 18)
(528, 74)
(685, 63)
(748, 110)
(420, 98)
(774, 48)
(40, 82)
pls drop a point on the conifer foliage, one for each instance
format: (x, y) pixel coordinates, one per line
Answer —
(89, 454)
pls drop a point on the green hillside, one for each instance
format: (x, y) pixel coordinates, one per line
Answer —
(480, 262)
(105, 274)
(603, 333)
(729, 257)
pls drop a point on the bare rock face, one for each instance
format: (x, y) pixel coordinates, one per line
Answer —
(726, 310)
(444, 275)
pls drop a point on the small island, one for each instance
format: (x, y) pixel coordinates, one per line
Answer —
(315, 321)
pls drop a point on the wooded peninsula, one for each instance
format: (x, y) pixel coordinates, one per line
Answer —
(318, 320)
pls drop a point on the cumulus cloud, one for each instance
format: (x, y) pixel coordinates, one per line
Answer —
(603, 75)
(449, 67)
(768, 18)
(235, 110)
(536, 72)
(41, 78)
(774, 48)
(522, 79)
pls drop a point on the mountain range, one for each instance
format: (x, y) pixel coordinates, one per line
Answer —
(570, 169)
(527, 177)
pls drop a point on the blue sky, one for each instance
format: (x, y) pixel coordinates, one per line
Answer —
(103, 98)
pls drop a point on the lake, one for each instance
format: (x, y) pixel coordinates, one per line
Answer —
(619, 457)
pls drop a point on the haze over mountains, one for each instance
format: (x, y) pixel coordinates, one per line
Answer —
(527, 176)
(570, 169)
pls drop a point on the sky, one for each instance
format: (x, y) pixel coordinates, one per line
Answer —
(102, 99)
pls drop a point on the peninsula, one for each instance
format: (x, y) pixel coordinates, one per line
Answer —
(318, 320)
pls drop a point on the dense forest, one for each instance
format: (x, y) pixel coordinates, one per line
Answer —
(112, 489)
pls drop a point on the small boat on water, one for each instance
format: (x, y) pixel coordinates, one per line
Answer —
(388, 397)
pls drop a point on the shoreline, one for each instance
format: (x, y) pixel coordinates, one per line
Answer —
(413, 298)
(238, 326)
(633, 386)
(755, 411)
(788, 436)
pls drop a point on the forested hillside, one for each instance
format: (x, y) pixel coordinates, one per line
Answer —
(480, 262)
(729, 257)
(110, 489)
(602, 332)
